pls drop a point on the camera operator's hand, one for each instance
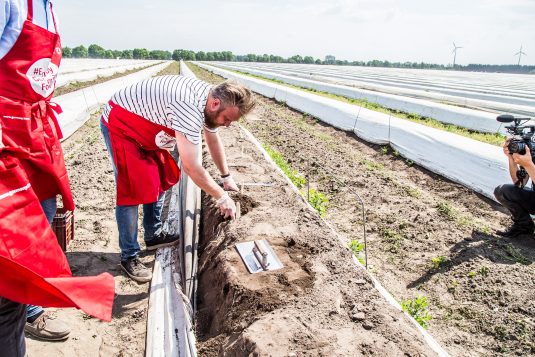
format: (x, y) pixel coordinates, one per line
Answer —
(505, 147)
(523, 160)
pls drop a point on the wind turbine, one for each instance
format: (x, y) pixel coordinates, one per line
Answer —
(455, 48)
(519, 54)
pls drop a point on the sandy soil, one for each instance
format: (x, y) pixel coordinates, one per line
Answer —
(94, 250)
(319, 304)
(480, 288)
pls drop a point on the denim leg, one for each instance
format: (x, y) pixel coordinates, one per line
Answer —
(126, 216)
(32, 310)
(49, 206)
(152, 213)
(12, 321)
(127, 224)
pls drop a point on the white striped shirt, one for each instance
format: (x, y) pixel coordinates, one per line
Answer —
(175, 102)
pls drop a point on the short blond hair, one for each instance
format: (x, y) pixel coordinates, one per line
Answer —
(234, 94)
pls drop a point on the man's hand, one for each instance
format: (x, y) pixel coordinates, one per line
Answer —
(505, 147)
(229, 184)
(523, 160)
(226, 205)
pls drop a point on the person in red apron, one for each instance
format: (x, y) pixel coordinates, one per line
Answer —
(140, 124)
(33, 171)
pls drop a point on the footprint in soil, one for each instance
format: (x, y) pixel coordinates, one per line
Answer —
(97, 227)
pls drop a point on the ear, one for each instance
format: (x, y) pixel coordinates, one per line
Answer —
(215, 104)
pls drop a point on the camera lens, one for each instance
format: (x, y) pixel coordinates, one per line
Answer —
(517, 147)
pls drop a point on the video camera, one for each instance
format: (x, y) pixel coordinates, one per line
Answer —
(522, 134)
(522, 137)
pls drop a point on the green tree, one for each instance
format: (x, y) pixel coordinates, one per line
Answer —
(95, 51)
(308, 60)
(79, 52)
(200, 56)
(127, 54)
(140, 53)
(67, 52)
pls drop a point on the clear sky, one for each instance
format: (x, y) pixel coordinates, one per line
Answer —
(490, 31)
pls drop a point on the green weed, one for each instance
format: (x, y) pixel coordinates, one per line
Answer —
(471, 274)
(447, 210)
(319, 201)
(439, 261)
(393, 237)
(357, 248)
(298, 179)
(453, 286)
(412, 192)
(484, 271)
(516, 254)
(372, 165)
(417, 308)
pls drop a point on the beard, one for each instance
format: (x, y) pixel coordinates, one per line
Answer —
(210, 118)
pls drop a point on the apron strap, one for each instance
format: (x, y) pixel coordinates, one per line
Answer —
(53, 18)
(30, 11)
(51, 109)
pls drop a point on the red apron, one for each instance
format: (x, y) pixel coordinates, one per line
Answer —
(28, 119)
(34, 268)
(144, 169)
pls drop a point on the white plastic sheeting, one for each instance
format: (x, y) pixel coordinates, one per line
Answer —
(86, 69)
(463, 117)
(474, 164)
(513, 93)
(77, 106)
(169, 328)
(170, 321)
(185, 71)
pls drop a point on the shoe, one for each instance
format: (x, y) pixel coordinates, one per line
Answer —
(516, 230)
(162, 240)
(135, 269)
(46, 327)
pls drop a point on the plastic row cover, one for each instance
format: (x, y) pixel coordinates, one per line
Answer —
(77, 106)
(518, 102)
(474, 164)
(93, 73)
(185, 71)
(463, 117)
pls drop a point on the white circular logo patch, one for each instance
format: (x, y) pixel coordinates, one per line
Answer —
(42, 76)
(165, 141)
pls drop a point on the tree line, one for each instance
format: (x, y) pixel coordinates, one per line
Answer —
(96, 51)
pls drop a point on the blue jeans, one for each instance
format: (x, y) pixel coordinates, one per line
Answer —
(127, 216)
(12, 320)
(49, 207)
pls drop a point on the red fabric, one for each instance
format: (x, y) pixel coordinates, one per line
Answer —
(28, 76)
(34, 269)
(144, 170)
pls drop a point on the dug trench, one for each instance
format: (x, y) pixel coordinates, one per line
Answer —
(319, 304)
(426, 236)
